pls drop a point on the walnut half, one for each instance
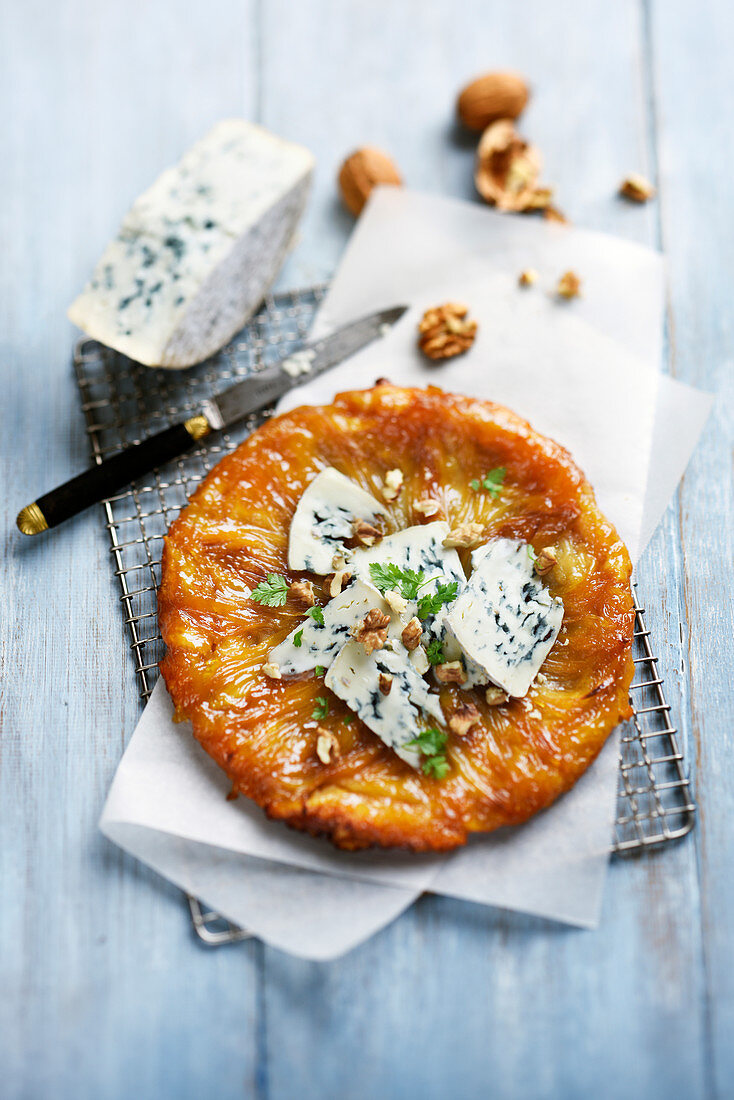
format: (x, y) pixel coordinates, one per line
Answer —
(465, 536)
(445, 332)
(452, 672)
(372, 631)
(465, 716)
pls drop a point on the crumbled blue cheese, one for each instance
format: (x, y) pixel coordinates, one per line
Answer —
(323, 520)
(311, 644)
(505, 620)
(396, 717)
(197, 251)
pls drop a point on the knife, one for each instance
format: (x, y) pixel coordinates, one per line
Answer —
(252, 393)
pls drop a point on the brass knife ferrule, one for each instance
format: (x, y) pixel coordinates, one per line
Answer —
(197, 427)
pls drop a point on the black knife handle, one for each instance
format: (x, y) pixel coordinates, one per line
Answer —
(105, 479)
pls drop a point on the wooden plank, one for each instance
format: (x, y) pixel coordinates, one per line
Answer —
(105, 992)
(456, 999)
(694, 89)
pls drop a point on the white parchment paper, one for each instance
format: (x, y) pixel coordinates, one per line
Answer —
(582, 372)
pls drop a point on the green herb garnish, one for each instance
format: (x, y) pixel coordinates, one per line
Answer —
(317, 614)
(434, 651)
(319, 670)
(273, 592)
(433, 602)
(432, 744)
(491, 481)
(407, 581)
(298, 638)
(322, 707)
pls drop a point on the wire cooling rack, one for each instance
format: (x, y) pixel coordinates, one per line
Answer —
(124, 402)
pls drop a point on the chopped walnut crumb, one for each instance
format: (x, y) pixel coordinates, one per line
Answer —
(365, 532)
(273, 671)
(393, 484)
(528, 277)
(338, 562)
(569, 285)
(303, 592)
(327, 745)
(427, 506)
(553, 214)
(451, 672)
(444, 332)
(495, 696)
(545, 561)
(385, 683)
(412, 634)
(541, 679)
(464, 717)
(395, 601)
(372, 631)
(636, 187)
(464, 536)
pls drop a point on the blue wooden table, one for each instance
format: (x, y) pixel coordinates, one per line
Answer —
(104, 992)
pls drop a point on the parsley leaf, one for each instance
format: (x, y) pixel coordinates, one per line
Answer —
(407, 581)
(491, 481)
(437, 766)
(430, 604)
(432, 743)
(273, 592)
(348, 719)
(322, 707)
(317, 614)
(298, 638)
(319, 670)
(434, 651)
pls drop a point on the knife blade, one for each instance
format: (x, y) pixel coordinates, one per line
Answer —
(252, 393)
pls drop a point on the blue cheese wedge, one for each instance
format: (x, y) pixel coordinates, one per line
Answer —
(324, 519)
(312, 644)
(505, 620)
(197, 251)
(389, 695)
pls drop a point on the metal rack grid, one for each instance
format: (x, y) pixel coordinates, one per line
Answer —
(124, 402)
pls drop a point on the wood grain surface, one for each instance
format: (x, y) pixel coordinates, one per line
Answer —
(105, 992)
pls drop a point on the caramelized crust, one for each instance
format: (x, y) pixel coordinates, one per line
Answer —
(519, 756)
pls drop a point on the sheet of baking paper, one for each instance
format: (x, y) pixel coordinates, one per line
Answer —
(167, 804)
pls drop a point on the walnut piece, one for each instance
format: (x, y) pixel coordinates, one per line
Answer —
(507, 170)
(303, 592)
(464, 717)
(427, 506)
(393, 484)
(528, 277)
(464, 536)
(273, 671)
(362, 171)
(569, 285)
(327, 745)
(553, 214)
(545, 561)
(395, 601)
(372, 631)
(365, 532)
(412, 634)
(495, 696)
(335, 582)
(385, 683)
(445, 332)
(451, 672)
(637, 188)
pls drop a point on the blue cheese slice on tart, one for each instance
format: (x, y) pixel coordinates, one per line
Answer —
(325, 519)
(197, 251)
(505, 619)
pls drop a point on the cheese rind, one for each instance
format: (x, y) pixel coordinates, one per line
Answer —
(323, 520)
(505, 620)
(197, 251)
(355, 678)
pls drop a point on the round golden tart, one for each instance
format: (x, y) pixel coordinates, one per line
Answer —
(522, 754)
